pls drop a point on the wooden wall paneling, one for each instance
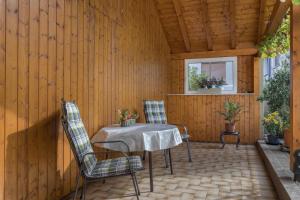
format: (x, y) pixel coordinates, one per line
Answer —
(74, 76)
(86, 30)
(96, 69)
(91, 66)
(51, 154)
(43, 103)
(33, 176)
(53, 49)
(11, 99)
(59, 183)
(67, 91)
(101, 66)
(2, 94)
(23, 52)
(200, 114)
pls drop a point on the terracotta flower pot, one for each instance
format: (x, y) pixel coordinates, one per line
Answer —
(230, 127)
(287, 138)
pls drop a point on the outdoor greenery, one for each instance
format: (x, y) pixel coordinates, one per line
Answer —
(198, 81)
(273, 123)
(278, 43)
(232, 110)
(277, 92)
(296, 2)
(125, 114)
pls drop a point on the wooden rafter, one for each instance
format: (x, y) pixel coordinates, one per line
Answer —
(218, 53)
(182, 25)
(205, 23)
(261, 19)
(279, 11)
(232, 24)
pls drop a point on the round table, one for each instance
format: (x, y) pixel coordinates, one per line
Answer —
(141, 137)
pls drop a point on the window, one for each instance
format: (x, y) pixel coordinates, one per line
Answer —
(211, 75)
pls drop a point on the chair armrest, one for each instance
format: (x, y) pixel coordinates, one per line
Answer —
(113, 141)
(122, 142)
(183, 126)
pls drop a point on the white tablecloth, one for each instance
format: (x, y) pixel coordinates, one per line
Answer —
(140, 137)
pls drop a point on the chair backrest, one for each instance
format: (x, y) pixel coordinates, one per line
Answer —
(155, 112)
(77, 135)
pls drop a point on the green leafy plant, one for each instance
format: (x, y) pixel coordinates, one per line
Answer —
(278, 43)
(125, 114)
(232, 110)
(296, 2)
(273, 123)
(277, 92)
(197, 81)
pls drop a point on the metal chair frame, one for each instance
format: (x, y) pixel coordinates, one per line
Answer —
(87, 178)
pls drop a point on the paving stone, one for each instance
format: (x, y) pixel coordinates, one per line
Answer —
(214, 174)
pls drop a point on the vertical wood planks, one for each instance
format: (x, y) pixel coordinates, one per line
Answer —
(200, 113)
(2, 95)
(11, 99)
(23, 52)
(102, 54)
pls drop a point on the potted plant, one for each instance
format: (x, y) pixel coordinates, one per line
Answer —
(277, 95)
(232, 110)
(274, 125)
(127, 118)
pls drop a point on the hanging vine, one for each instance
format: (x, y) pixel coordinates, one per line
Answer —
(278, 43)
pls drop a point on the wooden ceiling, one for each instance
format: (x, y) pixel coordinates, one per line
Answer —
(205, 25)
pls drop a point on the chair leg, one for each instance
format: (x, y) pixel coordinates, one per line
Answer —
(137, 185)
(144, 155)
(170, 159)
(189, 150)
(134, 185)
(166, 158)
(83, 192)
(77, 185)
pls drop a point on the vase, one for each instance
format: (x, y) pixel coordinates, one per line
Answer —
(273, 139)
(230, 127)
(128, 122)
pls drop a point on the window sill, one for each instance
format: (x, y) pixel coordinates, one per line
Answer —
(245, 94)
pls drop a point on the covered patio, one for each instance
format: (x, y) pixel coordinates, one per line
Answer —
(194, 56)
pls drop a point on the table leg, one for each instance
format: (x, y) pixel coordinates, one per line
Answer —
(150, 171)
(222, 140)
(170, 159)
(238, 141)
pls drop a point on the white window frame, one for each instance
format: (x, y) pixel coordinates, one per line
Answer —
(218, 59)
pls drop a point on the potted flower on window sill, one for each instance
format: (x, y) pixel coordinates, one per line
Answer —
(127, 118)
(232, 110)
(273, 124)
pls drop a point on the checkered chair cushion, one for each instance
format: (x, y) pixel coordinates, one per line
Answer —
(78, 136)
(155, 112)
(116, 166)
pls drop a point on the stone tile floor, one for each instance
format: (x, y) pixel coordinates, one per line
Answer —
(214, 174)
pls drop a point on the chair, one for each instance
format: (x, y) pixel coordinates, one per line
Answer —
(155, 113)
(91, 169)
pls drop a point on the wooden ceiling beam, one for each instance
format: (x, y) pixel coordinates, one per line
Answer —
(212, 54)
(232, 24)
(206, 25)
(279, 11)
(182, 25)
(261, 19)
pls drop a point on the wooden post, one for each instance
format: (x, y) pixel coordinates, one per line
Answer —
(256, 87)
(295, 80)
